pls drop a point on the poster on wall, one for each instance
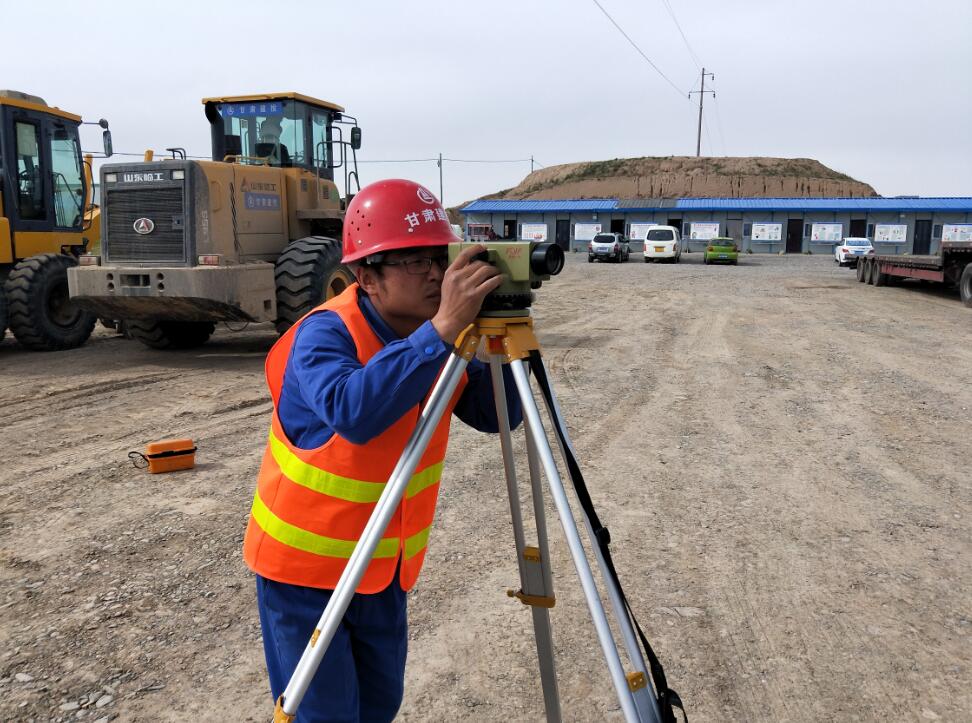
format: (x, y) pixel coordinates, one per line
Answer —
(767, 232)
(533, 232)
(586, 231)
(703, 231)
(956, 232)
(891, 232)
(638, 231)
(827, 232)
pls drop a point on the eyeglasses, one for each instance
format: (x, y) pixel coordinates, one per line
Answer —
(421, 265)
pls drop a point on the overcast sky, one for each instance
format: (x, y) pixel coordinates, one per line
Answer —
(878, 90)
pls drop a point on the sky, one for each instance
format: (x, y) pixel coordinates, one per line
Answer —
(877, 90)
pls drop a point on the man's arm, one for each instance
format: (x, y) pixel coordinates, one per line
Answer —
(357, 401)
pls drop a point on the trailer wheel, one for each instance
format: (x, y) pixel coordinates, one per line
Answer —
(39, 308)
(965, 285)
(170, 334)
(880, 278)
(307, 273)
(861, 270)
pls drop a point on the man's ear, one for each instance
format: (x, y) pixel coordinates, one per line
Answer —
(367, 278)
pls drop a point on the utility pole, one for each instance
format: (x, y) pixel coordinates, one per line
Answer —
(441, 198)
(702, 92)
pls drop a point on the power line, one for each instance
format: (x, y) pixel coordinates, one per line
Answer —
(695, 58)
(635, 46)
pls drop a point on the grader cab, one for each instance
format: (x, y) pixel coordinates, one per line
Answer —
(252, 235)
(47, 220)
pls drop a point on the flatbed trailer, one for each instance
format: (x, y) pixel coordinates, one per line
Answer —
(951, 266)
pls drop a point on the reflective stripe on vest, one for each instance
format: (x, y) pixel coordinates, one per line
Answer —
(311, 506)
(344, 488)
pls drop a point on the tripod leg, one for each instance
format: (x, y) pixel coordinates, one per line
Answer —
(531, 585)
(385, 508)
(581, 563)
(645, 697)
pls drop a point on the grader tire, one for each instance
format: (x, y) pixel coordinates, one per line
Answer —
(39, 308)
(965, 285)
(308, 273)
(170, 335)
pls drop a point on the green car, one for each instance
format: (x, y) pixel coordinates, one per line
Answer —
(721, 250)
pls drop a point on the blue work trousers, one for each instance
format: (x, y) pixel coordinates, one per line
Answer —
(362, 676)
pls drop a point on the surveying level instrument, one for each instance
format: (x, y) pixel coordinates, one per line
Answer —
(642, 689)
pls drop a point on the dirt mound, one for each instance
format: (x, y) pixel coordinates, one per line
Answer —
(685, 176)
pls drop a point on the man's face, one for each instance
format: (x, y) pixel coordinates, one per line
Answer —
(406, 292)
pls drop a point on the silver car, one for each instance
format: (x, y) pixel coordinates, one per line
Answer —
(608, 247)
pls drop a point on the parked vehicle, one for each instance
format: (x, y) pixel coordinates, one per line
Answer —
(951, 265)
(849, 251)
(608, 247)
(721, 250)
(663, 242)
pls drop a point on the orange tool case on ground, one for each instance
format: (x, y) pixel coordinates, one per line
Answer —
(170, 454)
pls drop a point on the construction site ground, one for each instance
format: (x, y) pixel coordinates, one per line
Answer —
(781, 454)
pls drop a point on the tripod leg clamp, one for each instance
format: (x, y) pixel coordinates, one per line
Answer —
(636, 680)
(278, 713)
(540, 601)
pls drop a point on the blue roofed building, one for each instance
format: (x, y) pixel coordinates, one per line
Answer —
(761, 225)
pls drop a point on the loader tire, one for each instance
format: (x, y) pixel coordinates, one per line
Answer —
(308, 273)
(170, 334)
(39, 308)
(3, 312)
(965, 285)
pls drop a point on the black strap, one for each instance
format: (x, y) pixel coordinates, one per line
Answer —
(667, 698)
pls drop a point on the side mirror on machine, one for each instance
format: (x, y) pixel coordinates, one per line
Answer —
(106, 139)
(356, 138)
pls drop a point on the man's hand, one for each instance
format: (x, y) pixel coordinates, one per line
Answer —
(464, 286)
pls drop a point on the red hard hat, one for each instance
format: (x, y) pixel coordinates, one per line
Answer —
(393, 214)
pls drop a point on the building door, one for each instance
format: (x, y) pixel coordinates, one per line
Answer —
(562, 236)
(617, 225)
(734, 230)
(509, 228)
(858, 227)
(676, 222)
(922, 243)
(794, 236)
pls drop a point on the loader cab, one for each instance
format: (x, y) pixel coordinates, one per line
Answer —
(42, 180)
(283, 131)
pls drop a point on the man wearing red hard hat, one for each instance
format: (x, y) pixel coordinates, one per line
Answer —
(348, 381)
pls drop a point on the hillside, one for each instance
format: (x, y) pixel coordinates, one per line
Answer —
(687, 176)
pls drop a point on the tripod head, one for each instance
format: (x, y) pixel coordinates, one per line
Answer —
(525, 264)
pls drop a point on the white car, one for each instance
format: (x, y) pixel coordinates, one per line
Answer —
(608, 247)
(663, 242)
(852, 248)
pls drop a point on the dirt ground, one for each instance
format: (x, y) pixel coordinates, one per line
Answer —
(781, 454)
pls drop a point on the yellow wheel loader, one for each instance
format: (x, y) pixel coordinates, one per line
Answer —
(47, 220)
(252, 235)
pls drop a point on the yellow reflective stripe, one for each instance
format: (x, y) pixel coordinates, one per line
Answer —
(295, 537)
(343, 488)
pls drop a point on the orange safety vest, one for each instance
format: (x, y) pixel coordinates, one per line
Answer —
(311, 505)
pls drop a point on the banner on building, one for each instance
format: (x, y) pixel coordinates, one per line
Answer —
(957, 232)
(586, 231)
(827, 232)
(533, 232)
(891, 232)
(703, 231)
(767, 232)
(638, 231)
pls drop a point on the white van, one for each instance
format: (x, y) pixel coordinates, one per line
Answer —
(663, 242)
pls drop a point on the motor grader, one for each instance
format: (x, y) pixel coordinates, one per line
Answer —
(252, 235)
(47, 220)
